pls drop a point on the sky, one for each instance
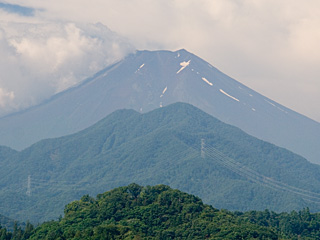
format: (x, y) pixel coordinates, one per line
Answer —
(270, 46)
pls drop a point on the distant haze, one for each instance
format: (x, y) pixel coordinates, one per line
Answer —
(270, 46)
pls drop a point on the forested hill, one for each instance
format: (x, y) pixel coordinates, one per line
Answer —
(160, 212)
(178, 145)
(6, 153)
(6, 222)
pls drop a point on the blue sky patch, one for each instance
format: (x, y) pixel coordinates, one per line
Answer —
(12, 8)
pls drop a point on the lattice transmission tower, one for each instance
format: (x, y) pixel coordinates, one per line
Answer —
(29, 186)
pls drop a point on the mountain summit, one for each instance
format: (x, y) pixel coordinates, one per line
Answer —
(151, 79)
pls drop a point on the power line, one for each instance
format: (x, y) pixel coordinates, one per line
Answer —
(186, 153)
(256, 177)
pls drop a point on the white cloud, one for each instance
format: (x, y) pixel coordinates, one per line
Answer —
(40, 59)
(5, 97)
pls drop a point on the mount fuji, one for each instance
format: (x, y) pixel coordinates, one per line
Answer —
(147, 80)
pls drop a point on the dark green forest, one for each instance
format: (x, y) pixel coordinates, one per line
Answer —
(6, 222)
(233, 171)
(160, 212)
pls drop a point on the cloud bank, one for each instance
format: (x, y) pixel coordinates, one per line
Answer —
(271, 46)
(41, 59)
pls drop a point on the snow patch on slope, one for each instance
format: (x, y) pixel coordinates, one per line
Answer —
(183, 65)
(276, 106)
(229, 95)
(164, 91)
(270, 103)
(282, 110)
(139, 68)
(206, 80)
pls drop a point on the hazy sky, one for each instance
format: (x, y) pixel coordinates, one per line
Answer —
(271, 46)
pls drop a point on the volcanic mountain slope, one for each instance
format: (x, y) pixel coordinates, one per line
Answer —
(178, 145)
(151, 79)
